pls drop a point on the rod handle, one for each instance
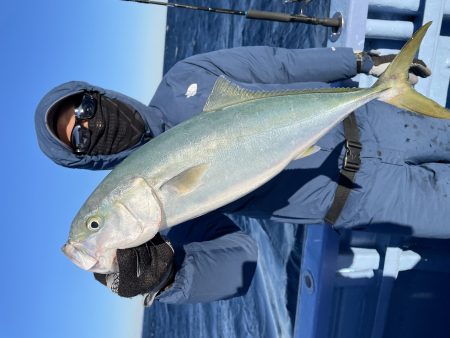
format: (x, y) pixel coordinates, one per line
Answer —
(264, 15)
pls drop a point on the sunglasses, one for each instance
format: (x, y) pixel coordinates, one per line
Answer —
(81, 136)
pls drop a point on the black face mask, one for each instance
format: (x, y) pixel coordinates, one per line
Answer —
(114, 127)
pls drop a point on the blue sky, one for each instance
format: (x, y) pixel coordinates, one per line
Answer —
(110, 43)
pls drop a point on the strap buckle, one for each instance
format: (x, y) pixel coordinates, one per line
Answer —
(352, 161)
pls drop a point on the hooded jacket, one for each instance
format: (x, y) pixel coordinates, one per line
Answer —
(209, 248)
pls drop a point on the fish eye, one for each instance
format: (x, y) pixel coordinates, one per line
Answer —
(93, 224)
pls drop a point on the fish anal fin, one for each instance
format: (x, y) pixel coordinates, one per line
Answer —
(311, 150)
(186, 181)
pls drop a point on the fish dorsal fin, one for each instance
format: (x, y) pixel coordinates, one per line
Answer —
(226, 93)
(186, 181)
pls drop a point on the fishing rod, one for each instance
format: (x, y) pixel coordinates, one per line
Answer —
(335, 22)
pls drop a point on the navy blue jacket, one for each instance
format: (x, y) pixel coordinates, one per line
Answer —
(404, 158)
(403, 184)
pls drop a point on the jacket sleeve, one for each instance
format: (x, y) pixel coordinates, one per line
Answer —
(218, 267)
(270, 65)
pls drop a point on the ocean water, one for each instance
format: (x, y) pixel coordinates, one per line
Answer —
(268, 309)
(192, 32)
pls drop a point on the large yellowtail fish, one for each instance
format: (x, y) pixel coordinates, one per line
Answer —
(241, 140)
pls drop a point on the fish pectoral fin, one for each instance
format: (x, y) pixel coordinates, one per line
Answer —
(186, 181)
(307, 152)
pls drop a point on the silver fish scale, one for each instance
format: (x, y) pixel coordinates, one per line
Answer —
(244, 146)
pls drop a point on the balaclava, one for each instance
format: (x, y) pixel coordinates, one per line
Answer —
(114, 127)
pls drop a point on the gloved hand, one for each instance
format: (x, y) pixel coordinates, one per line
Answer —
(143, 270)
(373, 63)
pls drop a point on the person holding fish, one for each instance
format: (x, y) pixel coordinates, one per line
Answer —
(401, 162)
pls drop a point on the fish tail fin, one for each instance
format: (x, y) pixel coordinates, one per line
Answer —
(395, 81)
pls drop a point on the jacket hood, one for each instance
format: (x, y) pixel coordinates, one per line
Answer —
(61, 154)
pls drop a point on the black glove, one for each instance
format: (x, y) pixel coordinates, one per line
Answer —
(143, 270)
(372, 63)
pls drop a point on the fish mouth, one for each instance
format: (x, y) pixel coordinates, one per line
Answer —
(86, 262)
(78, 256)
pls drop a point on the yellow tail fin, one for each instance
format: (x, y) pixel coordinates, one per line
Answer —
(401, 94)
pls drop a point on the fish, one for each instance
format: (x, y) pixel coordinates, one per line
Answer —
(240, 141)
